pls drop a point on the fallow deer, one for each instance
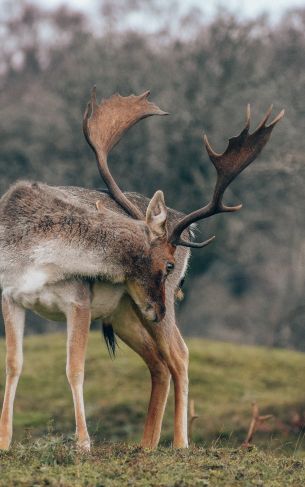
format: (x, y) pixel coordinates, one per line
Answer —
(79, 254)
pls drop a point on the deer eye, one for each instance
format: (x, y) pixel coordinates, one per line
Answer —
(169, 267)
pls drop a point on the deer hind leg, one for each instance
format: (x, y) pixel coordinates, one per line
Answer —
(78, 321)
(128, 327)
(14, 317)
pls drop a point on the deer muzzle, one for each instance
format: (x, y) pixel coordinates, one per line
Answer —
(152, 307)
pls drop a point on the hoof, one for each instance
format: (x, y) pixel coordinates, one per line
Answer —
(4, 443)
(180, 444)
(83, 446)
(149, 445)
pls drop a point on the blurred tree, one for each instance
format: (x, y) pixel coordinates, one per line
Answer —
(249, 285)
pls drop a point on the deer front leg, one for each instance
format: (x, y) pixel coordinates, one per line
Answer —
(128, 327)
(160, 382)
(178, 366)
(14, 317)
(175, 353)
(78, 321)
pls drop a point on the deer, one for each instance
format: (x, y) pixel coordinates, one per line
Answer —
(78, 254)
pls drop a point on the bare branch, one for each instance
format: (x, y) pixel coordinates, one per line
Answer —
(255, 422)
(192, 417)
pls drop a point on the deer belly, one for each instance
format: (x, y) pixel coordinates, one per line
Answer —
(105, 299)
(49, 300)
(52, 301)
(33, 290)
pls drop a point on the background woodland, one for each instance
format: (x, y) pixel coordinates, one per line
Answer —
(248, 286)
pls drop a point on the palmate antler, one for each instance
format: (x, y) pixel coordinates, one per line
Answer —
(103, 126)
(241, 151)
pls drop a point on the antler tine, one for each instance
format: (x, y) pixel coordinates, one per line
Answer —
(144, 95)
(248, 116)
(92, 103)
(93, 98)
(265, 118)
(103, 126)
(240, 152)
(195, 245)
(277, 118)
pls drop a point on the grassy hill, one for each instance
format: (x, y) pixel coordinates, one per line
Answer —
(224, 380)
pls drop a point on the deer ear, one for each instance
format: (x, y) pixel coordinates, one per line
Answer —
(156, 215)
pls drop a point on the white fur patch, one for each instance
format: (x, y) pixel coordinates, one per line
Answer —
(185, 264)
(33, 280)
(193, 228)
(71, 260)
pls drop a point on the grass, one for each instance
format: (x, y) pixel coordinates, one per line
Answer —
(224, 379)
(53, 462)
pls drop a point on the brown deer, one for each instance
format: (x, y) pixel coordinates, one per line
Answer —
(79, 254)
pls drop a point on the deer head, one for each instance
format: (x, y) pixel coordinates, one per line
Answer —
(146, 271)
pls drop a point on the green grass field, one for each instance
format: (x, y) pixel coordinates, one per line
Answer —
(224, 380)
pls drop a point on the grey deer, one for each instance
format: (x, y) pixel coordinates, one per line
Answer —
(79, 254)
